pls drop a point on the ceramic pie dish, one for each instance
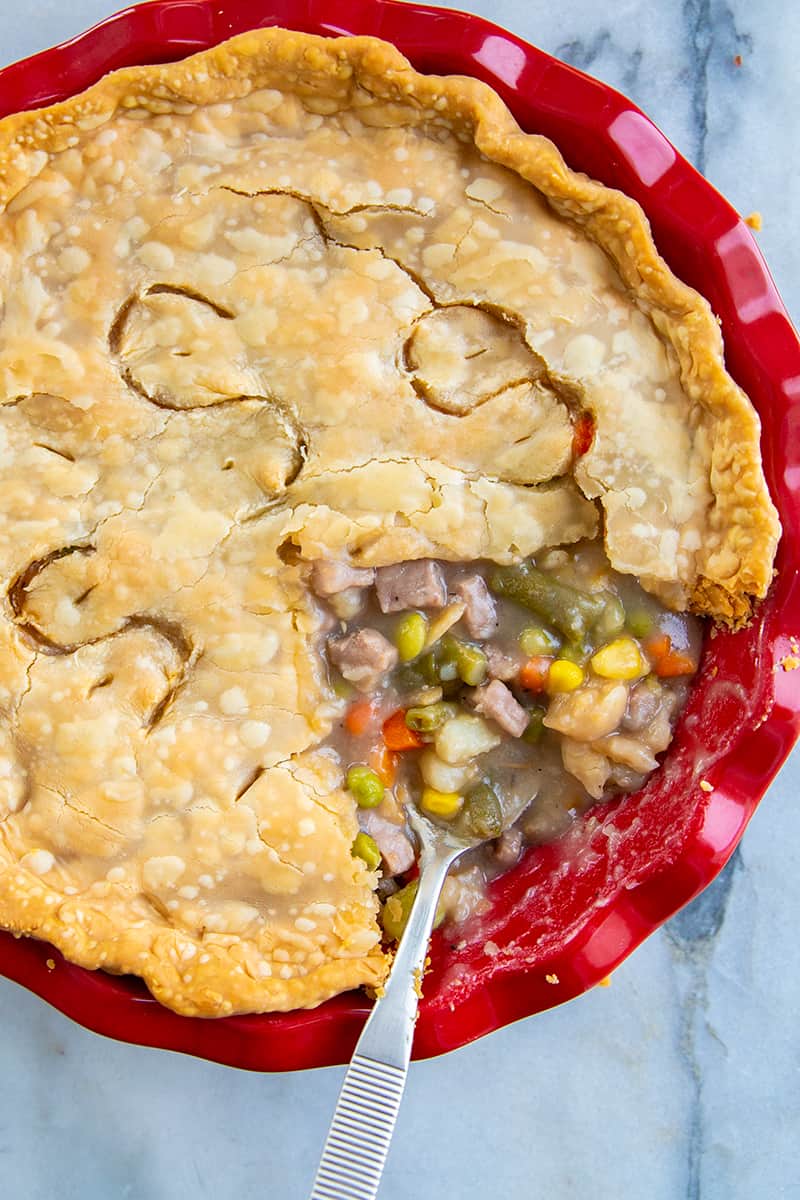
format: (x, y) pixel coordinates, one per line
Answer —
(627, 849)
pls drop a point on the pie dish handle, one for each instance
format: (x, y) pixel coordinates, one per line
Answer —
(366, 1112)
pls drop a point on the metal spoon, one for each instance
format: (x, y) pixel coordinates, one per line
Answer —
(366, 1111)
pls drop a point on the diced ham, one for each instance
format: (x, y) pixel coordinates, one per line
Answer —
(392, 841)
(501, 664)
(363, 657)
(416, 584)
(329, 577)
(480, 614)
(494, 700)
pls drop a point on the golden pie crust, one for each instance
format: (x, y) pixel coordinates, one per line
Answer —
(284, 300)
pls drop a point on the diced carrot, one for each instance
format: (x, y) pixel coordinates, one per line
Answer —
(533, 674)
(358, 717)
(667, 663)
(582, 433)
(657, 645)
(384, 763)
(397, 735)
(674, 663)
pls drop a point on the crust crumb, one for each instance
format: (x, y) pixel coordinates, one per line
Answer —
(705, 786)
(552, 979)
(754, 220)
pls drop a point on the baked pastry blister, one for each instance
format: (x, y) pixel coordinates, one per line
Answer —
(287, 302)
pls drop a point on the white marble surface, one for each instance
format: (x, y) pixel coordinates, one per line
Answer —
(680, 1080)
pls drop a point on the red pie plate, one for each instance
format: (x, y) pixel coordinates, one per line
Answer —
(572, 911)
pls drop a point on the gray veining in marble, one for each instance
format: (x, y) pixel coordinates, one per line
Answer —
(681, 1080)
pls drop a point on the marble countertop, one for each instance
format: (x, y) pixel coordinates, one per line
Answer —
(680, 1080)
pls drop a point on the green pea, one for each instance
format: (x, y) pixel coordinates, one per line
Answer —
(536, 640)
(342, 688)
(426, 718)
(535, 727)
(482, 813)
(397, 910)
(409, 635)
(576, 652)
(639, 622)
(611, 621)
(366, 848)
(365, 786)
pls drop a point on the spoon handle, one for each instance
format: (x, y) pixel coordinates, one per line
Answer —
(366, 1111)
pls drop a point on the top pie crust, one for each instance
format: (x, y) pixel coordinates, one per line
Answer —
(291, 293)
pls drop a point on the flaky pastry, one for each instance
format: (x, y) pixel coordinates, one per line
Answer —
(287, 300)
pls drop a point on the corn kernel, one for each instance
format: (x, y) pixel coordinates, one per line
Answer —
(441, 804)
(564, 676)
(620, 659)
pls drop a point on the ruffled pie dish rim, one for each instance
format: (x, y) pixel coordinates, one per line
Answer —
(743, 716)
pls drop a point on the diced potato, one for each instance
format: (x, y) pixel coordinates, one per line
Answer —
(630, 752)
(588, 766)
(443, 776)
(348, 604)
(591, 712)
(464, 737)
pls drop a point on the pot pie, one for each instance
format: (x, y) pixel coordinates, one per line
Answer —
(356, 452)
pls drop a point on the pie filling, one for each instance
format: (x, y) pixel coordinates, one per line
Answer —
(292, 335)
(502, 701)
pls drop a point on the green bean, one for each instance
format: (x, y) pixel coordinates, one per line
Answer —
(482, 814)
(569, 610)
(472, 665)
(462, 660)
(446, 652)
(366, 848)
(397, 910)
(365, 786)
(426, 718)
(429, 667)
(535, 727)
